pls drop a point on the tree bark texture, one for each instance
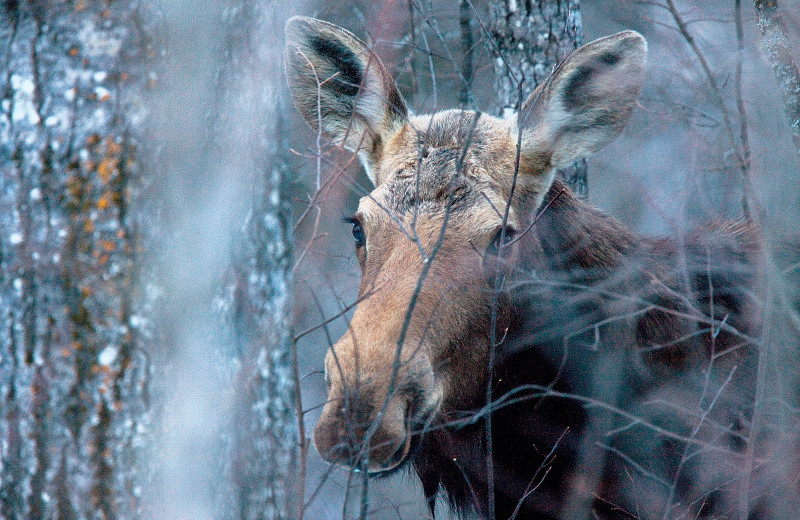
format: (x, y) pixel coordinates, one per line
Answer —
(266, 442)
(227, 445)
(781, 58)
(144, 262)
(73, 375)
(529, 39)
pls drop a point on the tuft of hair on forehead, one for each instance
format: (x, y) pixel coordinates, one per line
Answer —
(437, 184)
(453, 128)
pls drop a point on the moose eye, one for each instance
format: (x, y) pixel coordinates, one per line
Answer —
(358, 234)
(358, 231)
(502, 239)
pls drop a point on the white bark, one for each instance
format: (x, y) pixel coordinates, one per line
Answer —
(72, 374)
(227, 436)
(784, 64)
(529, 39)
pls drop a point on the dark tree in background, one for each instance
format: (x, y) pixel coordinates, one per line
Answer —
(528, 40)
(73, 369)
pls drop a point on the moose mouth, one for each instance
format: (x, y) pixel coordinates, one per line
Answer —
(398, 460)
(415, 432)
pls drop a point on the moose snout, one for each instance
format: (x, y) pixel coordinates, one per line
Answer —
(353, 432)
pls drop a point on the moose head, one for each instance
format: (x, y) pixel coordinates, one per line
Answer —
(455, 192)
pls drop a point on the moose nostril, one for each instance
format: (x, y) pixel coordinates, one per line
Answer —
(345, 453)
(334, 443)
(349, 433)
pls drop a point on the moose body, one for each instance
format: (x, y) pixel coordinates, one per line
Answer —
(617, 330)
(526, 354)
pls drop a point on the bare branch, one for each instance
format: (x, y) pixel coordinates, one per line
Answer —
(715, 91)
(743, 134)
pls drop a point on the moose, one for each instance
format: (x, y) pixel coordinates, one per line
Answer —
(523, 352)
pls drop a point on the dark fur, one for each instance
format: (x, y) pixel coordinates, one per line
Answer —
(342, 59)
(624, 381)
(588, 268)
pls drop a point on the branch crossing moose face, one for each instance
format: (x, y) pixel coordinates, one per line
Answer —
(463, 203)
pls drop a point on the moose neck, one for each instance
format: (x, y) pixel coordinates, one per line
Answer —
(575, 239)
(573, 255)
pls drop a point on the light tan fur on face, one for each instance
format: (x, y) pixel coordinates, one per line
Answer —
(448, 330)
(443, 184)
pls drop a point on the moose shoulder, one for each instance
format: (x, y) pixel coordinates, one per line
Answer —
(525, 353)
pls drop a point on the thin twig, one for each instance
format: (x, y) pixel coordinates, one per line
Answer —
(412, 56)
(743, 135)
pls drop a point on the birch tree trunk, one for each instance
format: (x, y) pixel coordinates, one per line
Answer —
(73, 374)
(783, 62)
(226, 445)
(144, 262)
(529, 40)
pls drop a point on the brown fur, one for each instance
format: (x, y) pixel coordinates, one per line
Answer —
(581, 310)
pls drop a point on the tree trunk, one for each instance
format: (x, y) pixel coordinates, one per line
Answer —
(529, 39)
(467, 51)
(73, 374)
(144, 251)
(265, 448)
(227, 445)
(782, 60)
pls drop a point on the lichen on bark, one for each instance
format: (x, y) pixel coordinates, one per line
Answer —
(73, 79)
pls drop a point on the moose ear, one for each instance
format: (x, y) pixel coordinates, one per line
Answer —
(586, 102)
(341, 87)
